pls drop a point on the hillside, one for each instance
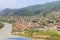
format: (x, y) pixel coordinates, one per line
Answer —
(33, 10)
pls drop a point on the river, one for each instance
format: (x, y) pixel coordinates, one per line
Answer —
(5, 33)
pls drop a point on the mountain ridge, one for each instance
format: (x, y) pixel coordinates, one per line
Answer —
(34, 9)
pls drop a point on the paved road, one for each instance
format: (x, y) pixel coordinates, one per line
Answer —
(5, 32)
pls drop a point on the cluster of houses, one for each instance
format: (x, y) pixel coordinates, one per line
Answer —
(22, 25)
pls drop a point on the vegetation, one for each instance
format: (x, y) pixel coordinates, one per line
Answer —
(1, 25)
(11, 21)
(52, 35)
(33, 10)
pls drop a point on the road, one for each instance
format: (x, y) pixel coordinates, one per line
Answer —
(5, 32)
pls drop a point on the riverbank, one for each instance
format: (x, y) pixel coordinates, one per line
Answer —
(45, 35)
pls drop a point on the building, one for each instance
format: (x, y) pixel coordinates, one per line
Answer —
(21, 25)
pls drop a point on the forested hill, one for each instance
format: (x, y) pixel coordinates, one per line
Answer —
(33, 10)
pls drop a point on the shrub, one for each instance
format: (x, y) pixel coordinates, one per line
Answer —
(1, 25)
(11, 21)
(28, 32)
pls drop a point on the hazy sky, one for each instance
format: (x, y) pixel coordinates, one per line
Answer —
(21, 3)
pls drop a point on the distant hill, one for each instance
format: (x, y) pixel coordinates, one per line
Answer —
(33, 10)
